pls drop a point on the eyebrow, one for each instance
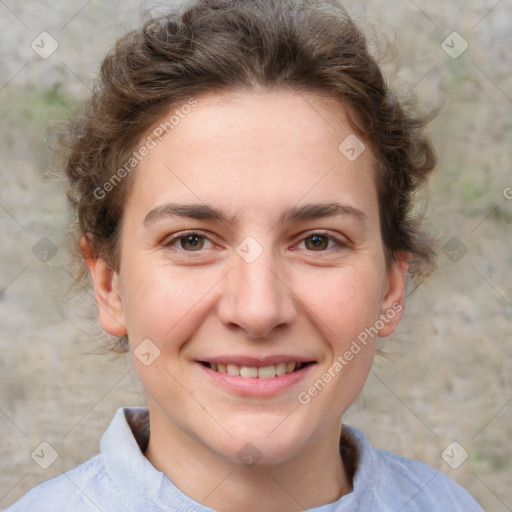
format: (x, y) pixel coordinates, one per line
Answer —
(193, 211)
(294, 214)
(318, 211)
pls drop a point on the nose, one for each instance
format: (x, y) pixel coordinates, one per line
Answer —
(257, 300)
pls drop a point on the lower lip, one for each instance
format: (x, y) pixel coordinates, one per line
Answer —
(253, 386)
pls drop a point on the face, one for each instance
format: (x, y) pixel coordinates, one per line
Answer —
(252, 264)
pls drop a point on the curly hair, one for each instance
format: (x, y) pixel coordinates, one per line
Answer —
(211, 46)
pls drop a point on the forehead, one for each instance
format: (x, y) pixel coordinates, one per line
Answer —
(250, 149)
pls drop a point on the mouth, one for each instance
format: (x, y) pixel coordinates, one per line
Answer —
(268, 371)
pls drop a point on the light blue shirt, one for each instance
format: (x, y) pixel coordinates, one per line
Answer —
(120, 478)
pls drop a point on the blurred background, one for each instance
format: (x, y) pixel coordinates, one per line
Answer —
(444, 395)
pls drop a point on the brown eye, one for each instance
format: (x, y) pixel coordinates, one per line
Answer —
(192, 242)
(317, 242)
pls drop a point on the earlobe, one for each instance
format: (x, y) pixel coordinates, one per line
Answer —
(106, 291)
(393, 302)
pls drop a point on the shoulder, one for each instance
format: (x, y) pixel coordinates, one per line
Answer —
(421, 487)
(389, 480)
(101, 483)
(74, 490)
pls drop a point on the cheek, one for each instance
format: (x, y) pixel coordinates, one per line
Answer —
(342, 302)
(343, 309)
(162, 304)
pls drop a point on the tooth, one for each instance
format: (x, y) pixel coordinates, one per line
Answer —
(233, 369)
(290, 367)
(267, 372)
(248, 371)
(280, 369)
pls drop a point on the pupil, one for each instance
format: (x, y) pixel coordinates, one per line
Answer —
(317, 242)
(192, 242)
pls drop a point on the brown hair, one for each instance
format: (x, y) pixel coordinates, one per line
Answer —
(215, 45)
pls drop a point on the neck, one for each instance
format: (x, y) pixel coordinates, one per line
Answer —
(315, 477)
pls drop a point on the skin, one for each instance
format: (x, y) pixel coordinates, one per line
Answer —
(252, 157)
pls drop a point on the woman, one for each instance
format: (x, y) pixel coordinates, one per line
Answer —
(243, 181)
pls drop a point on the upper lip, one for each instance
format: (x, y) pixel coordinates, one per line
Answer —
(257, 362)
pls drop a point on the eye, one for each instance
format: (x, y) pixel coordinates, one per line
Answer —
(190, 242)
(321, 242)
(317, 242)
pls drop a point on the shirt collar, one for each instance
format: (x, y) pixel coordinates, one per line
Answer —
(123, 444)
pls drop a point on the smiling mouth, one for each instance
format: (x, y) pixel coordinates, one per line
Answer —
(270, 371)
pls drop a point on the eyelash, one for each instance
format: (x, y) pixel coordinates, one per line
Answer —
(340, 244)
(180, 236)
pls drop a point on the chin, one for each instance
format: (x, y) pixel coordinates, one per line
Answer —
(263, 443)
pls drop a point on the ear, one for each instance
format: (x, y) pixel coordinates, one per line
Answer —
(106, 290)
(393, 302)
